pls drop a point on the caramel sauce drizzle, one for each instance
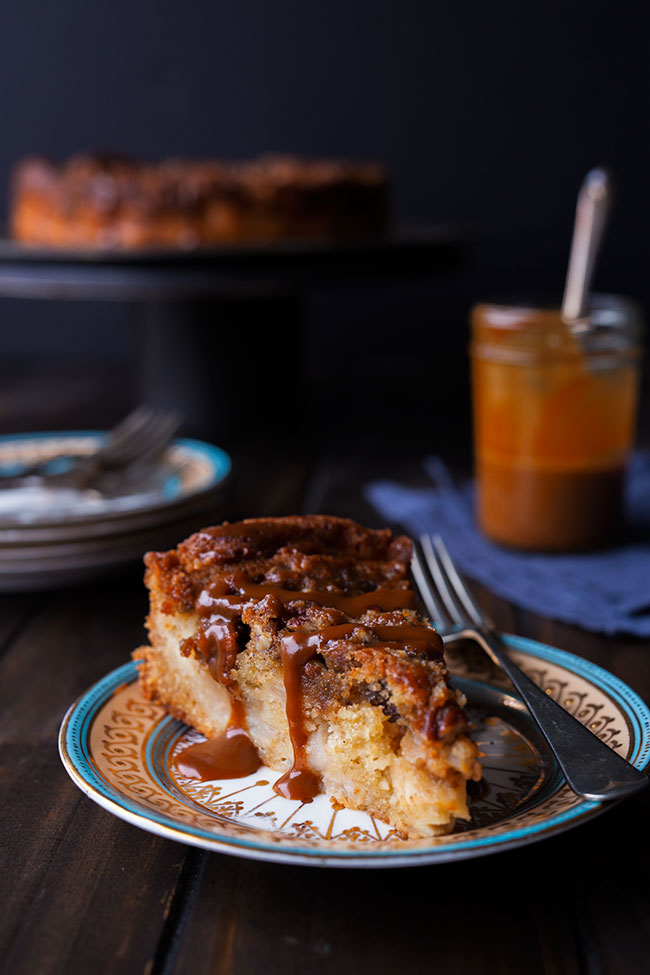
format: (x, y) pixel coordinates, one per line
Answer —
(232, 753)
(384, 599)
(296, 650)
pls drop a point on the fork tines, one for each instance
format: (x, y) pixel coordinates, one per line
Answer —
(445, 595)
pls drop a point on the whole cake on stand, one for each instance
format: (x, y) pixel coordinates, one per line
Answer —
(107, 201)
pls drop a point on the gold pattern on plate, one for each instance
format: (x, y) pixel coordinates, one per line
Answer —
(514, 790)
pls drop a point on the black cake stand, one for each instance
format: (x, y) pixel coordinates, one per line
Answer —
(220, 327)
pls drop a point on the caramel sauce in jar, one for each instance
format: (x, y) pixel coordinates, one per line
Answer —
(554, 422)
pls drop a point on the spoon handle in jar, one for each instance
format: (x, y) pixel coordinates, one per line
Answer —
(591, 216)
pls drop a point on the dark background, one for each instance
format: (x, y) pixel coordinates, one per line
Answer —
(488, 116)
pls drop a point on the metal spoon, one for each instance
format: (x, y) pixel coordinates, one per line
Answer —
(592, 210)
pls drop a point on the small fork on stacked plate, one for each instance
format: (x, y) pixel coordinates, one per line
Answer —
(139, 439)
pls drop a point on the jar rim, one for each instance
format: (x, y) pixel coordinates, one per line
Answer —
(523, 333)
(546, 301)
(603, 358)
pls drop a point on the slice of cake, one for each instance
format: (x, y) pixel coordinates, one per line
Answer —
(296, 641)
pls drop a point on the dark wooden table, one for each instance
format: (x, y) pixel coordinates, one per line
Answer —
(84, 892)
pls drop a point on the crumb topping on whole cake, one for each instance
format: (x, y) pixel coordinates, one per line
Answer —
(107, 200)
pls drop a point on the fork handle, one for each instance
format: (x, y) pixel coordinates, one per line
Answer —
(592, 769)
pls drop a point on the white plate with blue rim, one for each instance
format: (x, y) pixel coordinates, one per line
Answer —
(52, 536)
(188, 475)
(120, 749)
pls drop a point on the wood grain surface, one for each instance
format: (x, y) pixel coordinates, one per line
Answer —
(84, 893)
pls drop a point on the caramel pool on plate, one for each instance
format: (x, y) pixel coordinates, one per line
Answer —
(553, 422)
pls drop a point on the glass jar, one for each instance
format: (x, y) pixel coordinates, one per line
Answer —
(554, 418)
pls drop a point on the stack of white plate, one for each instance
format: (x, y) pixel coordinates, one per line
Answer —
(52, 535)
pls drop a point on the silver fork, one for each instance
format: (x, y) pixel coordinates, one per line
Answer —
(138, 439)
(592, 769)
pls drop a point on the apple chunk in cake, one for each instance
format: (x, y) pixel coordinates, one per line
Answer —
(301, 636)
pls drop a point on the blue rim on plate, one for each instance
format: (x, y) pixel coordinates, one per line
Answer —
(150, 796)
(206, 467)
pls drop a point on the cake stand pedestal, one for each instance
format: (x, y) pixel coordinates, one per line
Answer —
(220, 329)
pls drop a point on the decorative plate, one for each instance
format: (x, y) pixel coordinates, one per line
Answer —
(119, 748)
(188, 470)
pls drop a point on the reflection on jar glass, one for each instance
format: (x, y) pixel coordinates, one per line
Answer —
(554, 420)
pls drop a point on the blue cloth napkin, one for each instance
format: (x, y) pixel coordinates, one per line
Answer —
(606, 591)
